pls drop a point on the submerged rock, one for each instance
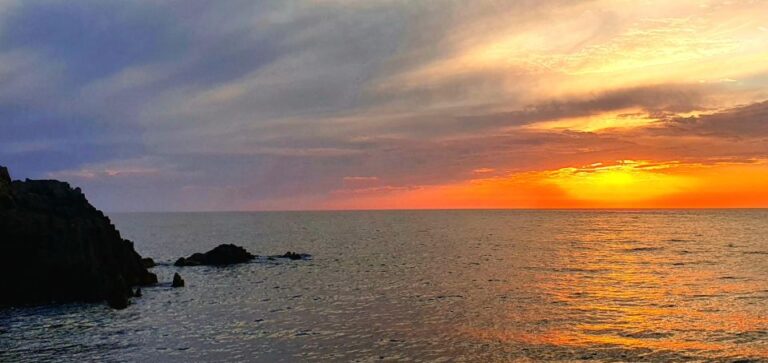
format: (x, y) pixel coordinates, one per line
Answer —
(226, 254)
(293, 256)
(55, 246)
(177, 281)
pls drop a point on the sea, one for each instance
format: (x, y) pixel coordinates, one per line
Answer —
(429, 286)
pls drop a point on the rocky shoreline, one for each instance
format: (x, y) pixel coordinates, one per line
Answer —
(56, 247)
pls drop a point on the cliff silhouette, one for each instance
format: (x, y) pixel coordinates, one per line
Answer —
(56, 247)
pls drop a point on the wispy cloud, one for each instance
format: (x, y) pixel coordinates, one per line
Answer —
(285, 105)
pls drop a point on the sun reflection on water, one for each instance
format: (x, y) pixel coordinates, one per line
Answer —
(619, 286)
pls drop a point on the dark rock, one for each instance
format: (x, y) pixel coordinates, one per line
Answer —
(117, 301)
(147, 279)
(294, 256)
(181, 262)
(221, 255)
(117, 298)
(56, 247)
(177, 281)
(194, 260)
(6, 199)
(137, 293)
(148, 262)
(5, 177)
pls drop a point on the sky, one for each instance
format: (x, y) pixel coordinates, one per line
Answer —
(339, 104)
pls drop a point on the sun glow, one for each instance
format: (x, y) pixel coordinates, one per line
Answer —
(620, 184)
(626, 181)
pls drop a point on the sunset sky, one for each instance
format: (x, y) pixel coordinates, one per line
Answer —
(341, 104)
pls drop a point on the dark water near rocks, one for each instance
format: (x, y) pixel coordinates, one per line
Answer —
(430, 286)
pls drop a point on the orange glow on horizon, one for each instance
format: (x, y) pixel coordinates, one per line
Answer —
(623, 184)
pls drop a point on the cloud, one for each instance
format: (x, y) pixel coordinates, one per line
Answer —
(650, 99)
(262, 104)
(360, 182)
(743, 122)
(483, 170)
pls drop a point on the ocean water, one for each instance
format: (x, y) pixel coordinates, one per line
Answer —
(475, 286)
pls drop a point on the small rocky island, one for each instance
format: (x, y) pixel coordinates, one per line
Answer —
(57, 247)
(222, 255)
(229, 254)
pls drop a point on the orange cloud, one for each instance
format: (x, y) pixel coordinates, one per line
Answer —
(483, 170)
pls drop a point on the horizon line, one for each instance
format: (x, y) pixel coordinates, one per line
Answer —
(444, 210)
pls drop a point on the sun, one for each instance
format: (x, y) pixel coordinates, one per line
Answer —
(623, 183)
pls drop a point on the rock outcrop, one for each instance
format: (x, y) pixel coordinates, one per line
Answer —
(177, 281)
(221, 255)
(56, 247)
(148, 262)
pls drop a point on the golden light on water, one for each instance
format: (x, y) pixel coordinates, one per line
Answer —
(630, 286)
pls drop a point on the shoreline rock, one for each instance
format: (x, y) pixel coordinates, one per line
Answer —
(177, 280)
(222, 255)
(57, 247)
(148, 262)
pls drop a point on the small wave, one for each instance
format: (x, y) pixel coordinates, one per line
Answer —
(678, 240)
(645, 334)
(449, 296)
(704, 296)
(577, 269)
(643, 249)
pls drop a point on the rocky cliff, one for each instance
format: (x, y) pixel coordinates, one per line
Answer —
(55, 246)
